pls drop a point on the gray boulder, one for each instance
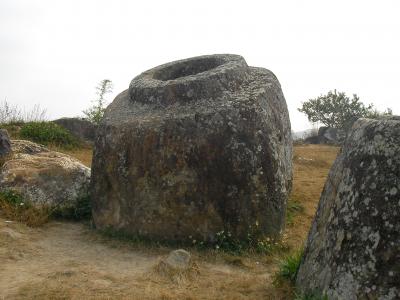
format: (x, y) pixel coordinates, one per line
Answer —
(192, 148)
(5, 143)
(327, 135)
(353, 248)
(80, 128)
(44, 177)
(177, 266)
(315, 139)
(331, 135)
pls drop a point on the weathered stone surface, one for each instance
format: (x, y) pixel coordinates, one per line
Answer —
(327, 135)
(80, 128)
(353, 248)
(195, 147)
(44, 177)
(178, 259)
(5, 144)
(27, 147)
(177, 266)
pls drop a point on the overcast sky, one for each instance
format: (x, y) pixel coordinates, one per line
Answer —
(54, 52)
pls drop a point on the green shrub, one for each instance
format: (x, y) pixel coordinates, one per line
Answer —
(289, 267)
(48, 133)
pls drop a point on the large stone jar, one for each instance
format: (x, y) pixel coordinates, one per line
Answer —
(353, 248)
(192, 148)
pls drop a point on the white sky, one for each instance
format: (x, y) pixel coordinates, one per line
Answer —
(54, 52)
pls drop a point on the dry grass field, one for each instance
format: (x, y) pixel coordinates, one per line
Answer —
(311, 167)
(63, 260)
(82, 154)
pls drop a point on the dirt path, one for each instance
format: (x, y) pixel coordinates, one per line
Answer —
(69, 261)
(65, 250)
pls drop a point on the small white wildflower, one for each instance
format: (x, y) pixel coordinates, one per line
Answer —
(22, 203)
(216, 247)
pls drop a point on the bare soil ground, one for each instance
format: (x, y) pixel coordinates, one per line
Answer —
(64, 260)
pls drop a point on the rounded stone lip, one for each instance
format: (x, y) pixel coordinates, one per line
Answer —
(200, 77)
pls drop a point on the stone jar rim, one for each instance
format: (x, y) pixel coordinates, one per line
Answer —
(191, 79)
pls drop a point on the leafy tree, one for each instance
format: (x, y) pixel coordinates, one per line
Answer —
(337, 110)
(95, 113)
(375, 114)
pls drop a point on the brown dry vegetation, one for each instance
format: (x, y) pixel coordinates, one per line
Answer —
(70, 261)
(83, 154)
(29, 215)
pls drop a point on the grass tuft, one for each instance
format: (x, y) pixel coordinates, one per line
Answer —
(294, 208)
(252, 243)
(224, 243)
(16, 208)
(289, 267)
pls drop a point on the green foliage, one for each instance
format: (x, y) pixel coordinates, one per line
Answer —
(375, 114)
(337, 110)
(95, 113)
(289, 267)
(224, 242)
(294, 208)
(253, 242)
(12, 197)
(48, 133)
